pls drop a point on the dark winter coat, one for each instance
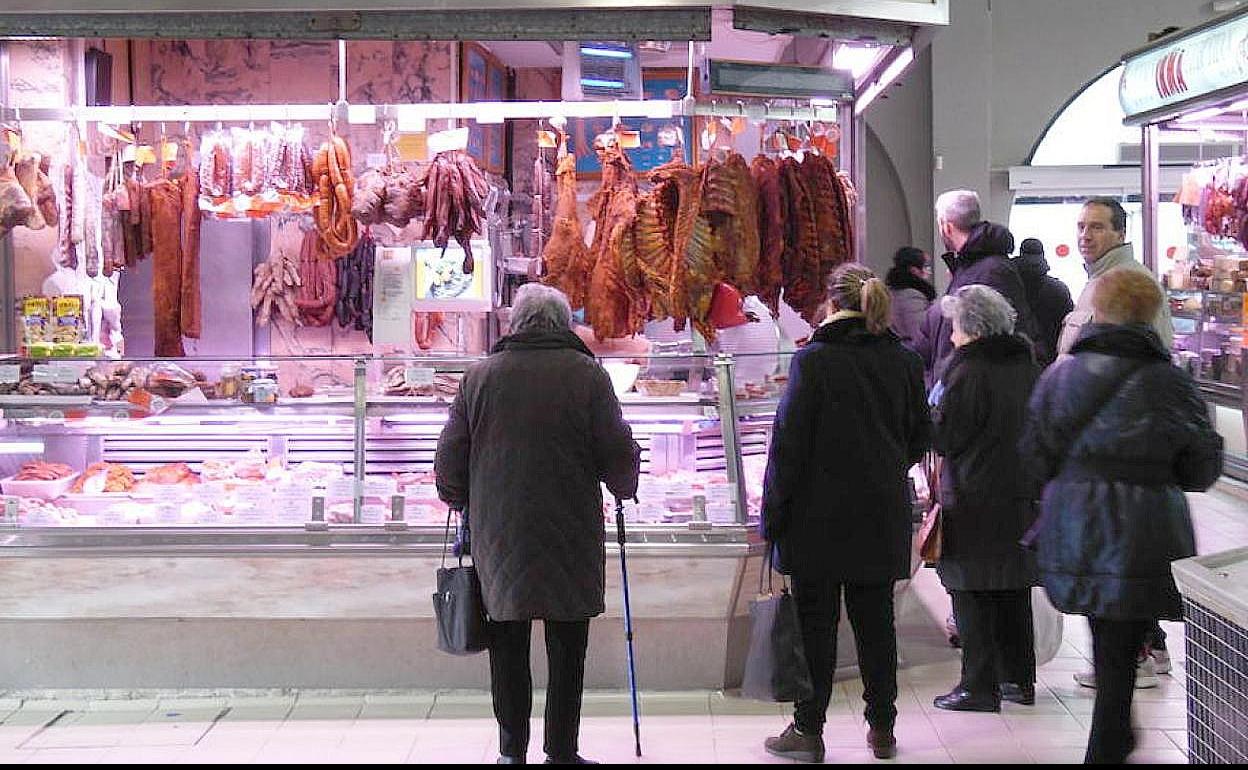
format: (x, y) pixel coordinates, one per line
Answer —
(1117, 433)
(533, 431)
(1050, 303)
(983, 260)
(985, 490)
(851, 423)
(911, 296)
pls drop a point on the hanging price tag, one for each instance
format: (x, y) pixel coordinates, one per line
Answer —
(169, 152)
(547, 140)
(446, 141)
(412, 148)
(14, 140)
(628, 140)
(145, 155)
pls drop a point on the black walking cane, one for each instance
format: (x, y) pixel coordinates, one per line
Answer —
(628, 623)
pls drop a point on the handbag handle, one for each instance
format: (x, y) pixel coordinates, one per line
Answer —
(768, 569)
(446, 533)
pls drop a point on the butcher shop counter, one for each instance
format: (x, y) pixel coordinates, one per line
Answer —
(223, 545)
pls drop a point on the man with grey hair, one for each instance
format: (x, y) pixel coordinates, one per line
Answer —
(978, 252)
(533, 432)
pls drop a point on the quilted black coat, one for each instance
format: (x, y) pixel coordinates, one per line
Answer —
(986, 492)
(852, 421)
(534, 430)
(1117, 434)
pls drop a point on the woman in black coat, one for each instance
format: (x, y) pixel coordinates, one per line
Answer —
(852, 422)
(981, 406)
(1117, 434)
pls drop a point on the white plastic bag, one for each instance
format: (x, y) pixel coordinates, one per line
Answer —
(1047, 622)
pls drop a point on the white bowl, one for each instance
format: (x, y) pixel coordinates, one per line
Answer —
(622, 376)
(43, 490)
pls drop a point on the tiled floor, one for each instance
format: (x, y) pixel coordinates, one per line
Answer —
(686, 728)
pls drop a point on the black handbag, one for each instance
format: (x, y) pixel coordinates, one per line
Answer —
(458, 606)
(776, 669)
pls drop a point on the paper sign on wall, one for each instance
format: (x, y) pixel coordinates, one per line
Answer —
(392, 296)
(413, 147)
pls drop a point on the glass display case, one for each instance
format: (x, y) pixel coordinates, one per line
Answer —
(1209, 334)
(334, 444)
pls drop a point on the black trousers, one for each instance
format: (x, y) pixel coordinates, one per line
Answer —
(1116, 646)
(998, 640)
(870, 609)
(511, 684)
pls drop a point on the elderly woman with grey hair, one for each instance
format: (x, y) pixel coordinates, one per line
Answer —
(534, 431)
(980, 409)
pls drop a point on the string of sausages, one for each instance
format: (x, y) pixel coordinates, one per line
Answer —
(331, 167)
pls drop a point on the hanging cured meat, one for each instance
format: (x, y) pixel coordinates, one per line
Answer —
(730, 205)
(275, 284)
(331, 168)
(612, 307)
(801, 262)
(191, 310)
(769, 278)
(454, 201)
(318, 275)
(354, 308)
(166, 204)
(566, 257)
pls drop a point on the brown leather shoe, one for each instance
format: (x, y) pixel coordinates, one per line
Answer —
(882, 743)
(792, 744)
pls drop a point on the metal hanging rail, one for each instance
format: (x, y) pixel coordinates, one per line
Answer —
(482, 112)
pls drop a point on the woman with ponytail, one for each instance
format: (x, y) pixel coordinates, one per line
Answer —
(852, 422)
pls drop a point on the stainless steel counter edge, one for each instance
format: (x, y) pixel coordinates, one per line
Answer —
(1207, 581)
(667, 542)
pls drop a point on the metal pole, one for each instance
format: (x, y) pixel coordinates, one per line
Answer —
(726, 383)
(8, 266)
(856, 163)
(628, 625)
(1148, 195)
(361, 457)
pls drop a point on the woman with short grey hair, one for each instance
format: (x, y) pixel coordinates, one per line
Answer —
(538, 307)
(978, 311)
(981, 403)
(532, 436)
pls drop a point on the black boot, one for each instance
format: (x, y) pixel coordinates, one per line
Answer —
(576, 760)
(964, 700)
(1022, 694)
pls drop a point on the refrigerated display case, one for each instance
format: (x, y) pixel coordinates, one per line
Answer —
(230, 514)
(1190, 83)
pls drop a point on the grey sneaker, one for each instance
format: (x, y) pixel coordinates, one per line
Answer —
(791, 744)
(1145, 675)
(1161, 661)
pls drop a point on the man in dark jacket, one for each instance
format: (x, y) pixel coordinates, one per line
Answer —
(1117, 434)
(1048, 297)
(978, 253)
(534, 430)
(852, 421)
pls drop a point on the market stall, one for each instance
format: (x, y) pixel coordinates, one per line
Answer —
(1195, 82)
(247, 286)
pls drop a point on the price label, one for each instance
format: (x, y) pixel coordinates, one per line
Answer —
(112, 517)
(169, 513)
(10, 373)
(293, 507)
(445, 141)
(8, 512)
(373, 514)
(412, 147)
(145, 155)
(340, 489)
(54, 374)
(211, 515)
(547, 140)
(423, 492)
(382, 488)
(169, 152)
(418, 376)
